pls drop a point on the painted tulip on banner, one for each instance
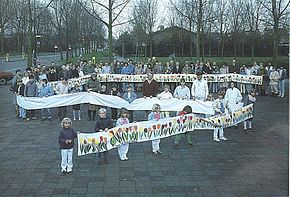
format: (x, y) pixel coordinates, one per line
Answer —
(148, 130)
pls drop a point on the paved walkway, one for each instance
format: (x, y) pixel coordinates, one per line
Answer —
(249, 164)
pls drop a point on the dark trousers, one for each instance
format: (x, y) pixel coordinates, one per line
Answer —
(62, 112)
(105, 154)
(30, 113)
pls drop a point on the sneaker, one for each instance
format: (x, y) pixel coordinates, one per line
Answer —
(43, 119)
(69, 172)
(80, 119)
(27, 119)
(126, 158)
(250, 129)
(75, 119)
(49, 118)
(155, 153)
(63, 172)
(245, 129)
(34, 118)
(216, 140)
(223, 138)
(190, 145)
(159, 152)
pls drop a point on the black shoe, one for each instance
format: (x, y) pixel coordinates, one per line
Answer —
(250, 129)
(63, 172)
(190, 145)
(245, 129)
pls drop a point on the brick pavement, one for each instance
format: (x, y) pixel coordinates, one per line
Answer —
(249, 164)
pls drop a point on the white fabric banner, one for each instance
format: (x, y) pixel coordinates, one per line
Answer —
(167, 78)
(112, 101)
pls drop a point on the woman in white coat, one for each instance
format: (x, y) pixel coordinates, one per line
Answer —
(233, 97)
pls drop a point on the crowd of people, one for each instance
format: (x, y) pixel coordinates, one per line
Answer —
(34, 82)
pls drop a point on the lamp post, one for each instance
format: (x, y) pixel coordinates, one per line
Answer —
(55, 49)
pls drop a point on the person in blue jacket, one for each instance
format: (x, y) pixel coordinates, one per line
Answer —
(45, 91)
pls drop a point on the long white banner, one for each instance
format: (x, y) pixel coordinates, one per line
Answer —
(111, 101)
(168, 78)
(150, 130)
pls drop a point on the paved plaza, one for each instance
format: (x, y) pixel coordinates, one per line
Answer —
(248, 164)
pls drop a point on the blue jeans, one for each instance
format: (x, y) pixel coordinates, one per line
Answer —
(282, 87)
(22, 112)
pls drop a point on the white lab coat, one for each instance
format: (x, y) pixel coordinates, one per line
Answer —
(233, 97)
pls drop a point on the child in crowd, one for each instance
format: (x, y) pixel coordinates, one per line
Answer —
(66, 142)
(250, 99)
(123, 148)
(166, 94)
(186, 110)
(219, 106)
(103, 124)
(155, 115)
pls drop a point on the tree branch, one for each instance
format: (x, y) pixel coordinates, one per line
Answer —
(100, 4)
(124, 5)
(96, 17)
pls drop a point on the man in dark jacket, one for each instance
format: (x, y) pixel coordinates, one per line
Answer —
(30, 90)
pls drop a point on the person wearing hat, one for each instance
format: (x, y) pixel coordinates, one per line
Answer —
(199, 89)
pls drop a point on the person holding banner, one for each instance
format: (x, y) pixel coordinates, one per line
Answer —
(93, 85)
(219, 105)
(233, 97)
(103, 124)
(45, 91)
(150, 88)
(199, 89)
(182, 91)
(123, 148)
(186, 110)
(130, 96)
(165, 95)
(250, 99)
(155, 115)
(62, 88)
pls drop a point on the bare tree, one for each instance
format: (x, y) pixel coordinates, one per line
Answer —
(222, 23)
(112, 10)
(251, 23)
(7, 8)
(277, 13)
(235, 18)
(145, 18)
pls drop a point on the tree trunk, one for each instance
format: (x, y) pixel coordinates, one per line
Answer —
(2, 40)
(29, 40)
(110, 31)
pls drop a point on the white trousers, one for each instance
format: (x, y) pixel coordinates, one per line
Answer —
(66, 159)
(216, 131)
(123, 150)
(155, 145)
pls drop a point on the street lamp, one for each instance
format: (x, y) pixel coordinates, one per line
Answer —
(55, 49)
